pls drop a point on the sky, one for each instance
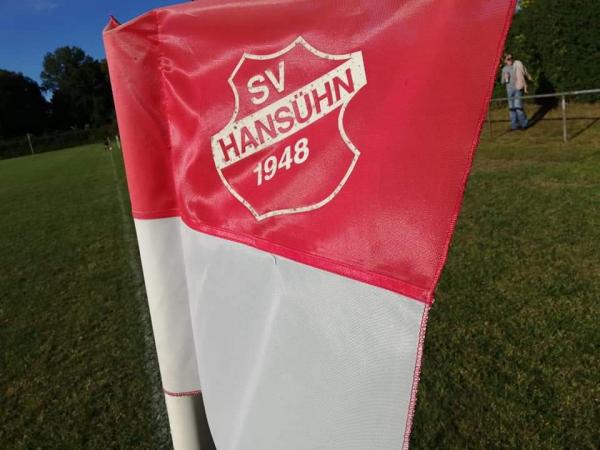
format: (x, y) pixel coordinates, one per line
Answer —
(31, 28)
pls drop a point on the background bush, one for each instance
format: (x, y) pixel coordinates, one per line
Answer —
(559, 43)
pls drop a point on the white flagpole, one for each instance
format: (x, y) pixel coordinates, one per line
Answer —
(187, 420)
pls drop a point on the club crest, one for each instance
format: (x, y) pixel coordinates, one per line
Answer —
(285, 149)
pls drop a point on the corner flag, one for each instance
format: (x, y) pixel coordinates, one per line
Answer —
(296, 169)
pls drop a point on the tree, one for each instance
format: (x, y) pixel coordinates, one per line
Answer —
(559, 42)
(103, 108)
(23, 108)
(80, 88)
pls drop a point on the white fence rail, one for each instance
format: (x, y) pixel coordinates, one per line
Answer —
(563, 105)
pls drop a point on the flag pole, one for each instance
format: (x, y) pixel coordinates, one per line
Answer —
(187, 420)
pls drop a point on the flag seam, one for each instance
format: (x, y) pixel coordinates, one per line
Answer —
(407, 289)
(410, 290)
(158, 214)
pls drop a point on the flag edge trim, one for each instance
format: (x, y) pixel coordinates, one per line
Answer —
(473, 148)
(416, 378)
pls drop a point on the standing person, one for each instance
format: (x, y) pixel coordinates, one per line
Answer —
(107, 144)
(514, 76)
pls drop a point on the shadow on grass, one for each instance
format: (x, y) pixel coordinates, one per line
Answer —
(546, 104)
(593, 122)
(542, 111)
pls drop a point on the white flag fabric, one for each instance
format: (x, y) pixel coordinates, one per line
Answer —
(287, 355)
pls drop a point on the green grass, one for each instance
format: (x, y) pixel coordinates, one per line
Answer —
(75, 370)
(512, 352)
(511, 357)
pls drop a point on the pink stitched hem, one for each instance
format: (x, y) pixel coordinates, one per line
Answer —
(182, 394)
(147, 215)
(416, 378)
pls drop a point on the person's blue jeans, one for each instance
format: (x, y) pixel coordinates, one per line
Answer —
(518, 118)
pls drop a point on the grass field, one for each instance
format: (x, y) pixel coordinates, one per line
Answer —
(512, 352)
(511, 356)
(76, 368)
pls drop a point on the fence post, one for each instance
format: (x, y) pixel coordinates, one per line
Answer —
(29, 140)
(489, 120)
(563, 105)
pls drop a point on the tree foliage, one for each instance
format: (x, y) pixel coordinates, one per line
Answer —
(22, 106)
(559, 42)
(80, 88)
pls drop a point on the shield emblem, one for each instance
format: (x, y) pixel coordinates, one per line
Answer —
(285, 149)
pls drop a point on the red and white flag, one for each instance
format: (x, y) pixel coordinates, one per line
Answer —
(296, 169)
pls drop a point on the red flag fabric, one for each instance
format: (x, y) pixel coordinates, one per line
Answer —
(336, 136)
